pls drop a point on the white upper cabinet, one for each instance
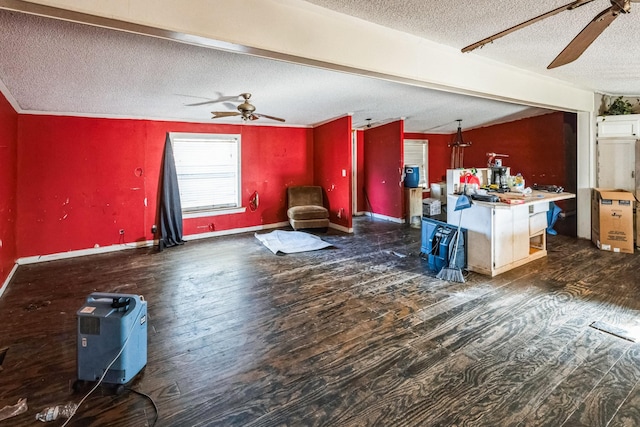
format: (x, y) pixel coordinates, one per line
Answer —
(618, 126)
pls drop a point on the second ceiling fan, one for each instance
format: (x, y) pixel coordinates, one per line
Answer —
(582, 41)
(246, 110)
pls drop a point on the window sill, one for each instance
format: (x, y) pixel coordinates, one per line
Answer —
(200, 214)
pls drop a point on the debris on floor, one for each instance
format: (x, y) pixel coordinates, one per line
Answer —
(13, 410)
(398, 254)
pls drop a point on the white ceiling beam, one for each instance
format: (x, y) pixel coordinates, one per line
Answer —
(300, 32)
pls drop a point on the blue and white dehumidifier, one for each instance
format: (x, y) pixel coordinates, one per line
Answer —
(438, 243)
(110, 324)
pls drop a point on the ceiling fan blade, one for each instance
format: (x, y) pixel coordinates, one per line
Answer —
(214, 101)
(269, 117)
(583, 40)
(195, 104)
(217, 114)
(489, 39)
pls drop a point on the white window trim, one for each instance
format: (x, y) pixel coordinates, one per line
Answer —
(199, 213)
(425, 157)
(213, 212)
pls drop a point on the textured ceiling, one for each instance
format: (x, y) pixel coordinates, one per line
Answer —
(610, 65)
(55, 66)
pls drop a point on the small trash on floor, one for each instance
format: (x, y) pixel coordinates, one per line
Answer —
(37, 306)
(13, 410)
(398, 254)
(52, 413)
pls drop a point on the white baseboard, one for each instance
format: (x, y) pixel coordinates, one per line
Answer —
(340, 228)
(132, 245)
(8, 279)
(235, 231)
(135, 245)
(385, 217)
(84, 252)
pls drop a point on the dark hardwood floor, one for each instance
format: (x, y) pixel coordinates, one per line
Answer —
(350, 336)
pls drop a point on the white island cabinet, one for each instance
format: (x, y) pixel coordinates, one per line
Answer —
(502, 236)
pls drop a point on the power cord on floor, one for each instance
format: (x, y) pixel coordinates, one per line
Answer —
(104, 374)
(155, 407)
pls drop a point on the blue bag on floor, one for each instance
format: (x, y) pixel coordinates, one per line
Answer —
(552, 217)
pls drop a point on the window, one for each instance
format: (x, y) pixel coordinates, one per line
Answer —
(416, 153)
(208, 169)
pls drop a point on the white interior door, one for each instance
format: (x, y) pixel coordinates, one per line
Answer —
(617, 163)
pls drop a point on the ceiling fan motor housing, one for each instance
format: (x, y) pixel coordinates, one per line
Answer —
(246, 108)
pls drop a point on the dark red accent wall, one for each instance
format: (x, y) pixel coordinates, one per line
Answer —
(383, 154)
(81, 180)
(332, 156)
(362, 206)
(8, 187)
(535, 146)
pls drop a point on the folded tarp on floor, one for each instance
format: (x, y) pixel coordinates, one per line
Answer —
(290, 242)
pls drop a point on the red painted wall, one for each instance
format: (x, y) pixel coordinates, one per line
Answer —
(8, 180)
(332, 156)
(81, 180)
(383, 154)
(535, 146)
(362, 205)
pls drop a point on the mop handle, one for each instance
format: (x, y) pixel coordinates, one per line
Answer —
(455, 245)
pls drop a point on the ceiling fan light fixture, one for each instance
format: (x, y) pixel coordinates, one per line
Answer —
(246, 111)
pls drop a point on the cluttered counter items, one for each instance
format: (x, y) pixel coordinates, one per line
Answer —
(507, 200)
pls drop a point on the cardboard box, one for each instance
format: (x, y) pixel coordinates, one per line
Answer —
(612, 220)
(637, 224)
(439, 192)
(431, 207)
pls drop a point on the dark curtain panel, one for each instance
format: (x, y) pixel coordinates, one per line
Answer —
(170, 207)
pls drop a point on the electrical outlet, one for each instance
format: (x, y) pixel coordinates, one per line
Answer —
(122, 231)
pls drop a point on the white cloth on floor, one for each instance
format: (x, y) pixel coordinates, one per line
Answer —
(290, 242)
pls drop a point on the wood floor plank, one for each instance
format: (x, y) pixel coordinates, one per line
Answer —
(354, 335)
(566, 397)
(603, 402)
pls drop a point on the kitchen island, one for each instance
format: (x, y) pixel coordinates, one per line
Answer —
(505, 235)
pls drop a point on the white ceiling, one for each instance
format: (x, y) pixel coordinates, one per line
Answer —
(54, 66)
(610, 65)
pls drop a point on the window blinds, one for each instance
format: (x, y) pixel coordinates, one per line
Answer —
(415, 153)
(208, 170)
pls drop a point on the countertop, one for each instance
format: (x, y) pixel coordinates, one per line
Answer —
(512, 199)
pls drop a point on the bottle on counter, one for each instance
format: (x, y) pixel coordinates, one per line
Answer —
(517, 183)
